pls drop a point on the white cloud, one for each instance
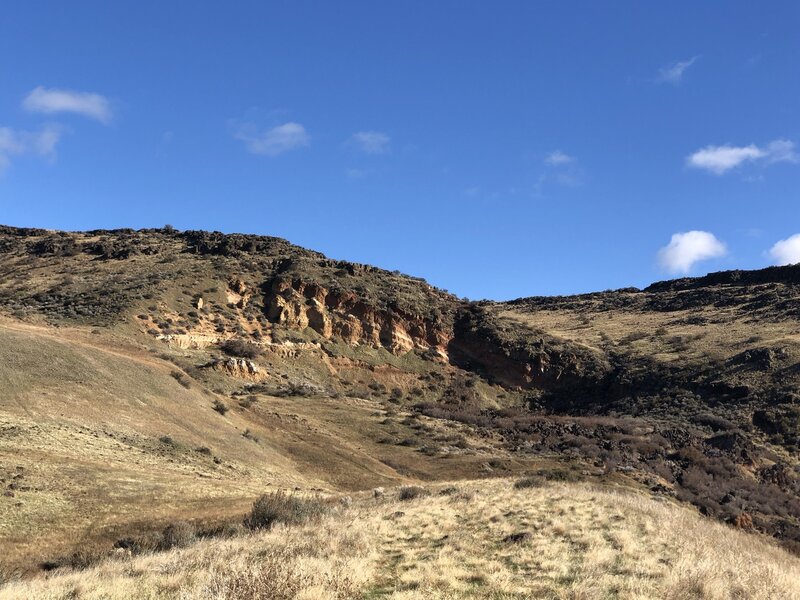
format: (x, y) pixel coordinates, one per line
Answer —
(786, 252)
(721, 159)
(54, 101)
(371, 142)
(275, 141)
(673, 73)
(557, 158)
(18, 143)
(686, 249)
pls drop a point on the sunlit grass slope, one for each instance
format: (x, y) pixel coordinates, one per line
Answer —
(483, 539)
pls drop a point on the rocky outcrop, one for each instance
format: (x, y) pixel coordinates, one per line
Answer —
(189, 341)
(523, 359)
(289, 349)
(344, 315)
(238, 367)
(238, 293)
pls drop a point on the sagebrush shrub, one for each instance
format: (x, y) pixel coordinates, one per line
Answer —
(177, 535)
(526, 482)
(279, 507)
(411, 492)
(240, 348)
(182, 379)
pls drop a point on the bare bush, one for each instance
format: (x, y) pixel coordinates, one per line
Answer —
(411, 492)
(177, 535)
(279, 507)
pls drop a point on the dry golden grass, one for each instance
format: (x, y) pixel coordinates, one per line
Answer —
(663, 336)
(82, 462)
(335, 559)
(583, 543)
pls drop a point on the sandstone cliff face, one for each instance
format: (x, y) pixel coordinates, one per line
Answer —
(342, 314)
(474, 341)
(238, 293)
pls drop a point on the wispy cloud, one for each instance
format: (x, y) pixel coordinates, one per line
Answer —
(721, 159)
(558, 158)
(686, 249)
(673, 73)
(786, 252)
(371, 142)
(561, 168)
(781, 151)
(274, 141)
(52, 101)
(36, 143)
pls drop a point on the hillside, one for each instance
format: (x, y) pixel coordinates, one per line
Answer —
(159, 375)
(484, 539)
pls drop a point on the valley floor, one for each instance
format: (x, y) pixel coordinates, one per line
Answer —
(478, 539)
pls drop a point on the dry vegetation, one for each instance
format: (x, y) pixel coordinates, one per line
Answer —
(484, 539)
(99, 440)
(333, 560)
(155, 382)
(575, 541)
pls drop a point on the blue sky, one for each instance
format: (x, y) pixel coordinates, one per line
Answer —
(498, 149)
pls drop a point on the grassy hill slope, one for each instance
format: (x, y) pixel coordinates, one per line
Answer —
(101, 437)
(483, 539)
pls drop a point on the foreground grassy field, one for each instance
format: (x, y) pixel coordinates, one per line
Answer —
(481, 539)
